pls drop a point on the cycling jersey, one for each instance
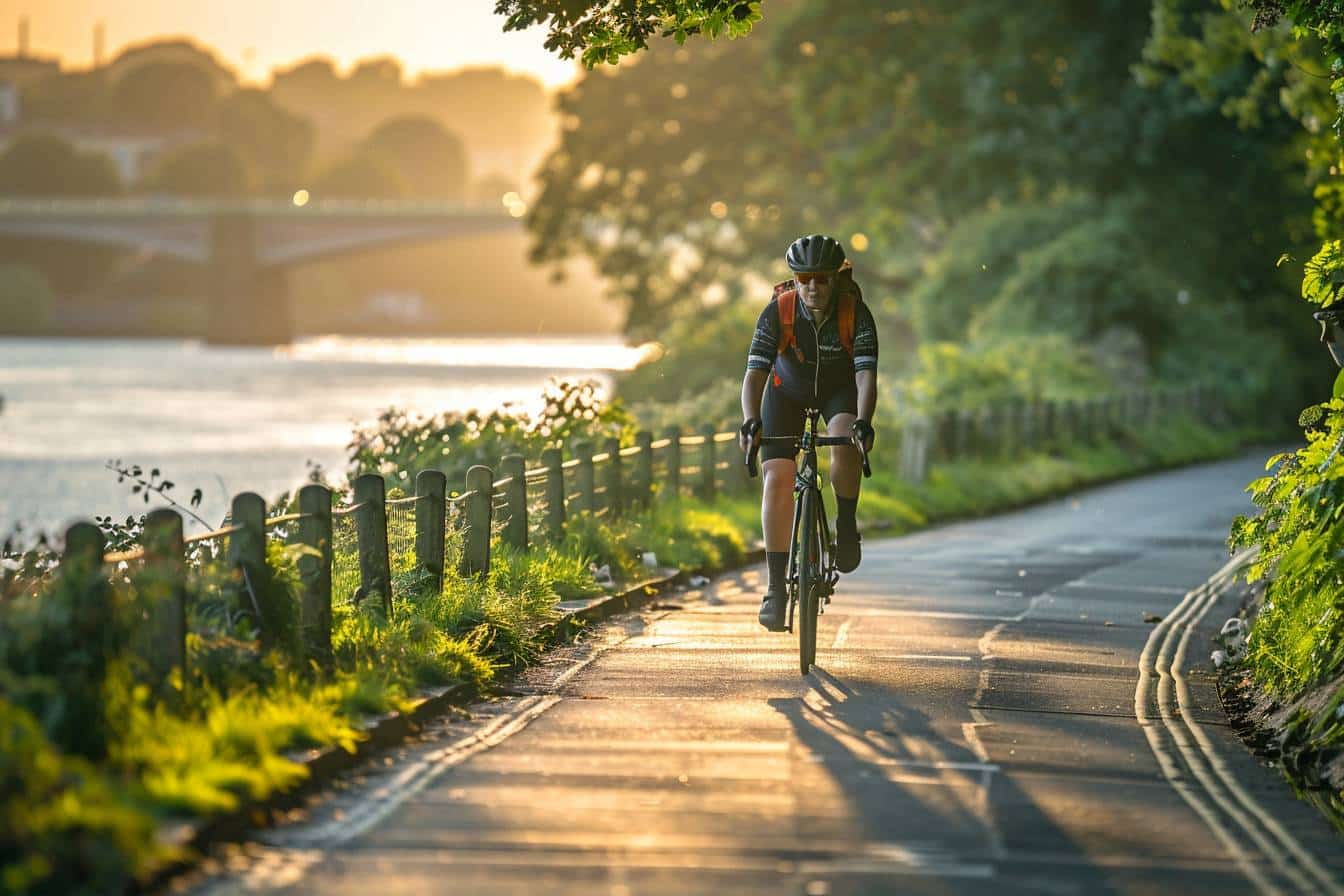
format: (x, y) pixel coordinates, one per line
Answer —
(804, 380)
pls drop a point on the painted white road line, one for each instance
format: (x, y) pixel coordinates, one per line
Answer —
(1322, 877)
(1226, 808)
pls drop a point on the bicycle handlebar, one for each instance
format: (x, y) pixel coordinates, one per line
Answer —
(820, 441)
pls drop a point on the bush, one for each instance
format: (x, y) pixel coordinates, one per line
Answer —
(25, 299)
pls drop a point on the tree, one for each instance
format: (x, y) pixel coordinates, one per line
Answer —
(170, 96)
(681, 175)
(67, 98)
(359, 176)
(25, 299)
(201, 169)
(900, 125)
(424, 155)
(604, 32)
(46, 165)
(275, 143)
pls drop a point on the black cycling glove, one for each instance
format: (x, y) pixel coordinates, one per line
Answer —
(863, 431)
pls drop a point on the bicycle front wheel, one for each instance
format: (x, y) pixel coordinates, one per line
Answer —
(809, 576)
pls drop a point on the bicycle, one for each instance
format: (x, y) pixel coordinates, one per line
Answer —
(812, 572)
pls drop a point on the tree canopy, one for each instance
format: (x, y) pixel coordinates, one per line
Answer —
(425, 154)
(604, 32)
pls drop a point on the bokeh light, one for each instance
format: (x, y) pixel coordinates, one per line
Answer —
(301, 198)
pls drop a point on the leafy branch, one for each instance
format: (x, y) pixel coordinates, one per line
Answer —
(604, 32)
(155, 484)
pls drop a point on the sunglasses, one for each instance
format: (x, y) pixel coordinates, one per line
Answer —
(823, 279)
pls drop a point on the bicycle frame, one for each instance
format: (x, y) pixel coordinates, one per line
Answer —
(808, 478)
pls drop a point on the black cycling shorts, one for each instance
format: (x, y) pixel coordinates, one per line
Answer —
(782, 416)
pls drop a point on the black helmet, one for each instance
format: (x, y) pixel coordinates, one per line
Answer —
(815, 254)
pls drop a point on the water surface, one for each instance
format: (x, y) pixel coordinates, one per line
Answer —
(227, 420)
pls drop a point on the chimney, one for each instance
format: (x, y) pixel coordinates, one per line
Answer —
(23, 36)
(99, 40)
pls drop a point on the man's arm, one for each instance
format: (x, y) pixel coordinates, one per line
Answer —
(753, 384)
(866, 380)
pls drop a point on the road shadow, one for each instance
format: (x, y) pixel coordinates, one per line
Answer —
(919, 795)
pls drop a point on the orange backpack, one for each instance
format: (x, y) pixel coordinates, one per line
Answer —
(785, 298)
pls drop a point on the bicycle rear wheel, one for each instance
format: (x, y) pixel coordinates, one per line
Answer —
(809, 580)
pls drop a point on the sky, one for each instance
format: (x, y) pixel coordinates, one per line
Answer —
(255, 36)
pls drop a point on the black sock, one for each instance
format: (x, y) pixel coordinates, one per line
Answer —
(844, 515)
(778, 563)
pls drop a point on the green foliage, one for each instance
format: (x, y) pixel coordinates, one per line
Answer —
(399, 445)
(360, 176)
(1323, 278)
(65, 828)
(997, 367)
(167, 95)
(682, 178)
(431, 160)
(697, 354)
(604, 32)
(1296, 640)
(201, 169)
(55, 653)
(48, 165)
(275, 144)
(25, 299)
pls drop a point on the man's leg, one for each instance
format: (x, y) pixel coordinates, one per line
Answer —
(846, 470)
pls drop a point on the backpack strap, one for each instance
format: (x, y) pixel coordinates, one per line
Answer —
(786, 302)
(848, 304)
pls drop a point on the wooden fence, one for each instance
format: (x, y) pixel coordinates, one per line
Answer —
(360, 551)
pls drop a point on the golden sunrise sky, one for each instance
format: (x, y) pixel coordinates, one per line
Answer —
(255, 36)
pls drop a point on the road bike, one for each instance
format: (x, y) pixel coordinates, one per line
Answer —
(812, 571)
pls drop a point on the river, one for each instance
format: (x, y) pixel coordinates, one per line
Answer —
(227, 420)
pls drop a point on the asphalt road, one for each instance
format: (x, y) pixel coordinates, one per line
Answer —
(991, 714)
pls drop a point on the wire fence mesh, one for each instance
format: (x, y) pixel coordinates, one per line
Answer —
(455, 532)
(537, 532)
(401, 535)
(345, 580)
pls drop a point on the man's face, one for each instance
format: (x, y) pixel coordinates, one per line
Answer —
(816, 290)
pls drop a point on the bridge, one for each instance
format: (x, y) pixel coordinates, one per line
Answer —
(247, 245)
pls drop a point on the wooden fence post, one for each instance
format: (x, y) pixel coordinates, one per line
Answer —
(513, 468)
(707, 464)
(165, 589)
(615, 488)
(644, 469)
(431, 491)
(375, 573)
(585, 478)
(314, 530)
(673, 476)
(480, 491)
(553, 460)
(247, 554)
(964, 440)
(83, 727)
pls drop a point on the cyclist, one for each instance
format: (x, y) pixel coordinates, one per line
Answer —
(815, 345)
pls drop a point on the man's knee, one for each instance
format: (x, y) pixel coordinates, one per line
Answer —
(779, 474)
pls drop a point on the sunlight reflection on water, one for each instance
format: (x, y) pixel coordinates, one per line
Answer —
(234, 419)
